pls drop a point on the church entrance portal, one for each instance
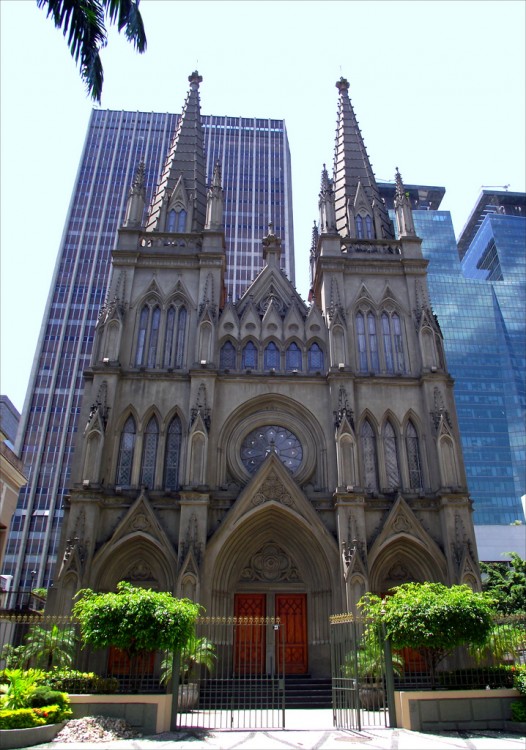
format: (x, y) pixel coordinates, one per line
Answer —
(252, 654)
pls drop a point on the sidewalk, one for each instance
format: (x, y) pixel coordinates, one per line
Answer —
(307, 730)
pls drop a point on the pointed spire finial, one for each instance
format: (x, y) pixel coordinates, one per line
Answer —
(195, 78)
(138, 180)
(342, 85)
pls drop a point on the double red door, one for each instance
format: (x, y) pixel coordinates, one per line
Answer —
(250, 646)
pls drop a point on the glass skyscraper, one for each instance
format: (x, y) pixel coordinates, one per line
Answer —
(256, 175)
(478, 292)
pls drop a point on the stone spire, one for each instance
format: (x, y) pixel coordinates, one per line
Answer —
(404, 212)
(214, 205)
(326, 204)
(180, 201)
(355, 190)
(271, 247)
(136, 199)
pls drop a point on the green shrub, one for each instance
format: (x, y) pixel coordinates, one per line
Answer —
(518, 711)
(17, 685)
(74, 681)
(25, 718)
(44, 696)
(519, 679)
(20, 718)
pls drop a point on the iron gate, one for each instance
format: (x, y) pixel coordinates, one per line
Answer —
(243, 685)
(361, 685)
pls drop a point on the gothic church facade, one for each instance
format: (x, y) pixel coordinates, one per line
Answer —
(267, 457)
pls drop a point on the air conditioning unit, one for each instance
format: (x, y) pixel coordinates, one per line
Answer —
(5, 583)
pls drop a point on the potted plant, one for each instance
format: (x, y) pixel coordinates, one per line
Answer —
(197, 652)
(366, 665)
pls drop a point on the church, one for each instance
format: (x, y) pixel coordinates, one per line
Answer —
(266, 456)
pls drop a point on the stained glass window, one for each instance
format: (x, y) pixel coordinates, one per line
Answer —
(149, 453)
(369, 457)
(391, 457)
(227, 356)
(250, 357)
(126, 450)
(259, 443)
(315, 358)
(272, 357)
(413, 457)
(293, 357)
(172, 454)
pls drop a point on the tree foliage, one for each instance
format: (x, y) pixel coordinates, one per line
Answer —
(431, 618)
(135, 619)
(50, 647)
(506, 584)
(82, 23)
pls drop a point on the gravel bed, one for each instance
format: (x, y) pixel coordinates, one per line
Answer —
(96, 729)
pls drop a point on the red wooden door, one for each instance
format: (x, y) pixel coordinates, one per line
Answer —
(249, 638)
(292, 611)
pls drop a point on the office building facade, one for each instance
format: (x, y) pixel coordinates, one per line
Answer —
(478, 288)
(255, 159)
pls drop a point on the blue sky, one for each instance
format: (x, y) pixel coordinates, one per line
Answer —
(438, 89)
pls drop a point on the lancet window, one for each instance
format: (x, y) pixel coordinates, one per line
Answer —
(369, 456)
(413, 457)
(176, 220)
(149, 453)
(392, 471)
(227, 356)
(293, 358)
(249, 357)
(272, 357)
(368, 357)
(175, 336)
(172, 454)
(148, 336)
(126, 451)
(315, 361)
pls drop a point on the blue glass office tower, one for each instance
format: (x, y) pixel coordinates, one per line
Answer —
(478, 292)
(256, 174)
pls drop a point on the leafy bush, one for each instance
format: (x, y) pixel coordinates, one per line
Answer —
(24, 718)
(17, 685)
(519, 679)
(73, 681)
(518, 711)
(44, 696)
(20, 718)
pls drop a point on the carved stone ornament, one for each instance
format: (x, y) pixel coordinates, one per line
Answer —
(140, 522)
(270, 564)
(140, 572)
(272, 489)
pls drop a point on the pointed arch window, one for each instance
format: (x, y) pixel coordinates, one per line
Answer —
(398, 343)
(141, 336)
(149, 453)
(272, 357)
(413, 457)
(369, 456)
(369, 228)
(176, 221)
(359, 227)
(392, 471)
(126, 451)
(388, 347)
(175, 337)
(293, 358)
(154, 336)
(315, 358)
(172, 455)
(362, 344)
(373, 342)
(227, 356)
(249, 357)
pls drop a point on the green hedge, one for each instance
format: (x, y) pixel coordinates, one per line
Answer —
(74, 681)
(24, 718)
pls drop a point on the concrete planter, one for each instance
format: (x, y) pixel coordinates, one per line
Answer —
(15, 738)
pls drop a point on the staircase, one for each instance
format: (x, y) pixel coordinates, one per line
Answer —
(301, 691)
